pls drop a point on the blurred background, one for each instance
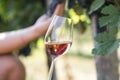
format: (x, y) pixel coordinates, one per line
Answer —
(77, 64)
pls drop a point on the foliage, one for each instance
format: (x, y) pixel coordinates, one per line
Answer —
(109, 19)
(107, 41)
(19, 14)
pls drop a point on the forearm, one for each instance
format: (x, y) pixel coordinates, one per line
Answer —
(10, 41)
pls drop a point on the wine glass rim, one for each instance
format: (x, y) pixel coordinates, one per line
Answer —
(55, 17)
(63, 17)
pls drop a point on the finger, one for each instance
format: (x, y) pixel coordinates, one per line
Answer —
(60, 9)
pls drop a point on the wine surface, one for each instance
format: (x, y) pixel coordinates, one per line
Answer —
(57, 48)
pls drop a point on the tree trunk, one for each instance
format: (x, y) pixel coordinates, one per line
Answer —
(106, 66)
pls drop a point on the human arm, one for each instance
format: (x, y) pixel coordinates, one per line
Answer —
(13, 40)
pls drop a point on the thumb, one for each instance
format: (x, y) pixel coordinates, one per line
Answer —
(59, 9)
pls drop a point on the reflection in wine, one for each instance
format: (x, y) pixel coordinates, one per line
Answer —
(57, 48)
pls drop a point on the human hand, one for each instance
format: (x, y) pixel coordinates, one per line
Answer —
(42, 19)
(42, 24)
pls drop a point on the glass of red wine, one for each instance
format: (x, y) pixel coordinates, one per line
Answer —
(58, 38)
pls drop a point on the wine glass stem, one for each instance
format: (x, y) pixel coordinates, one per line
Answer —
(51, 70)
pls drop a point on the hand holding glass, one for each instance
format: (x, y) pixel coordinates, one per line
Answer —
(58, 38)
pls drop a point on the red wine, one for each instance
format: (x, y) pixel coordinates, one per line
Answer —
(57, 48)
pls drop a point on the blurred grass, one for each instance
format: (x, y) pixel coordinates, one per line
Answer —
(76, 67)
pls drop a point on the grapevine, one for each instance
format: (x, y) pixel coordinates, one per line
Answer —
(108, 22)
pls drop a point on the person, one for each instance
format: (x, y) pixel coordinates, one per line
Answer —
(11, 67)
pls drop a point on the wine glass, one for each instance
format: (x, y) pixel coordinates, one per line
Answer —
(58, 38)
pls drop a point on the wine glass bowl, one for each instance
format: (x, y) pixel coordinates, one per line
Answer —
(57, 48)
(58, 38)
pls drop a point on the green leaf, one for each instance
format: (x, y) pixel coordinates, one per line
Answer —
(110, 9)
(118, 23)
(105, 42)
(101, 48)
(102, 37)
(106, 36)
(114, 46)
(104, 20)
(111, 20)
(112, 33)
(114, 21)
(96, 5)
